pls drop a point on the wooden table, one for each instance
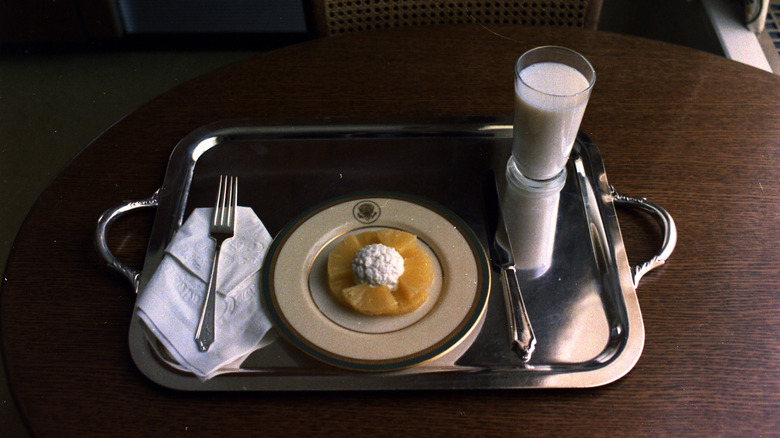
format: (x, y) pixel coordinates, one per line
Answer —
(696, 133)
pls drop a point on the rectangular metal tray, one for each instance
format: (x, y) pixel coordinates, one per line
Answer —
(584, 309)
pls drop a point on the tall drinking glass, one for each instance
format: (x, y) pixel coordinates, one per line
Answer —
(552, 87)
(530, 209)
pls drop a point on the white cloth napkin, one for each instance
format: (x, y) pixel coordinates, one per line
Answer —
(170, 304)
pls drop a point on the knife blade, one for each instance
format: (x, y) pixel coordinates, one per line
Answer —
(521, 332)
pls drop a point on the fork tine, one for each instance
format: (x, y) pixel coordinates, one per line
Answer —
(233, 201)
(216, 215)
(227, 202)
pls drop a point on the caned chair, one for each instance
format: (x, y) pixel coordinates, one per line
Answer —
(336, 17)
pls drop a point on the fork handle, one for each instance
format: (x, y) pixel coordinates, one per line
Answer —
(204, 335)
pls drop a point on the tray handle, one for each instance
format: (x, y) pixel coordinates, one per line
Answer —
(667, 225)
(104, 223)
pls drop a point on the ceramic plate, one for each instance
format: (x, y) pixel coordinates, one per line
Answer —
(296, 294)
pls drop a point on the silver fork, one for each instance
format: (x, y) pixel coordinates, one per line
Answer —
(223, 225)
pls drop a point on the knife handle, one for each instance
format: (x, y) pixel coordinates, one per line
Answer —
(520, 329)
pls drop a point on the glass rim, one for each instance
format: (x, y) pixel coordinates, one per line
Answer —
(590, 70)
(534, 187)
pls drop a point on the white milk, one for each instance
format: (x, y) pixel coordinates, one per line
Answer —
(530, 210)
(550, 100)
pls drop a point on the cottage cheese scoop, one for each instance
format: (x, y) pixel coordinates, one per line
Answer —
(378, 264)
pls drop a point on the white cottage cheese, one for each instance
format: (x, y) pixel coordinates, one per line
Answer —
(377, 265)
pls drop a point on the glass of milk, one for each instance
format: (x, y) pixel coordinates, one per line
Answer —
(530, 209)
(552, 87)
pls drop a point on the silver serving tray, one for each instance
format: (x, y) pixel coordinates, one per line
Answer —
(584, 309)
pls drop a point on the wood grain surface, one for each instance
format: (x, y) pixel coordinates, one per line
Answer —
(693, 132)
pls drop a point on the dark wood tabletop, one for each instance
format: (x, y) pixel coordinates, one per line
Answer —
(695, 133)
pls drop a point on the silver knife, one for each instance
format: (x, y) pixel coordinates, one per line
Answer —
(521, 332)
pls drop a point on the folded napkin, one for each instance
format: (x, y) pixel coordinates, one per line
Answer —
(171, 302)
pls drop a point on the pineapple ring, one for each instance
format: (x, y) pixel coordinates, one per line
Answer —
(413, 285)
